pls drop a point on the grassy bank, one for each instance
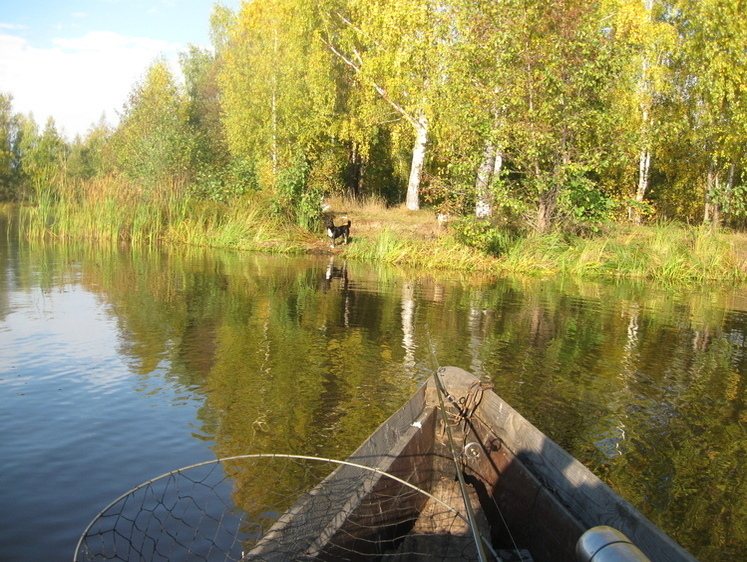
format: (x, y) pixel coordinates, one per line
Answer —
(663, 252)
(666, 252)
(113, 211)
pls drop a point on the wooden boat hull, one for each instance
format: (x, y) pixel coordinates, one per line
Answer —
(528, 493)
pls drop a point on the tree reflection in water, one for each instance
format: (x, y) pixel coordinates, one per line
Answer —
(307, 355)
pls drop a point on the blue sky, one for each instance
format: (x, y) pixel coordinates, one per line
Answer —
(76, 60)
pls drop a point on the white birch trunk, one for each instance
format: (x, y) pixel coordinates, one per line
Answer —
(412, 200)
(483, 205)
(644, 158)
(644, 167)
(490, 167)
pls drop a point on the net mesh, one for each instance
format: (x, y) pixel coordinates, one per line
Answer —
(281, 507)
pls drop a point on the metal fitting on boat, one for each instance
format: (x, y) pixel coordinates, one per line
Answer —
(605, 544)
(472, 450)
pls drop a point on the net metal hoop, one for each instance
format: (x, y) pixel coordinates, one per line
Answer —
(103, 512)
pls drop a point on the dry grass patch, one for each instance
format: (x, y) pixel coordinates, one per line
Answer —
(370, 216)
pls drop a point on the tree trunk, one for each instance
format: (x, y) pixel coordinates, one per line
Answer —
(546, 209)
(712, 210)
(644, 158)
(418, 159)
(644, 167)
(354, 172)
(718, 196)
(490, 167)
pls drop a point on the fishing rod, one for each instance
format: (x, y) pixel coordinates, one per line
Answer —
(441, 392)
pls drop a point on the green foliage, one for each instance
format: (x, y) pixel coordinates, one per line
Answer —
(482, 235)
(9, 157)
(448, 196)
(582, 202)
(736, 205)
(277, 84)
(152, 145)
(87, 158)
(643, 209)
(224, 184)
(296, 200)
(203, 111)
(42, 157)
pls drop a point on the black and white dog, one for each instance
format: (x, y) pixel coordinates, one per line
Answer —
(334, 232)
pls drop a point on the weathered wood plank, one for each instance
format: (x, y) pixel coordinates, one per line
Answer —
(545, 496)
(585, 496)
(384, 508)
(440, 534)
(310, 527)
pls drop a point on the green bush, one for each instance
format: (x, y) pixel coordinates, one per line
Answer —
(224, 184)
(296, 200)
(482, 235)
(581, 202)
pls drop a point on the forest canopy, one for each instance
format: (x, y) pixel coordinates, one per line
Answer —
(529, 115)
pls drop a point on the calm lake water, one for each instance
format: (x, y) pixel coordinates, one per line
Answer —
(118, 365)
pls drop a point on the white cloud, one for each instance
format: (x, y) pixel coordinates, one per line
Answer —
(78, 79)
(12, 26)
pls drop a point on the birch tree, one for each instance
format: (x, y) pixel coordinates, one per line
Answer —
(152, 143)
(277, 85)
(711, 77)
(647, 44)
(563, 71)
(395, 48)
(474, 122)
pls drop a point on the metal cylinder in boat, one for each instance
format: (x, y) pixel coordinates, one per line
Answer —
(605, 544)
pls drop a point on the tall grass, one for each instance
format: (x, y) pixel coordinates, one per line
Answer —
(387, 246)
(112, 210)
(102, 210)
(241, 226)
(665, 252)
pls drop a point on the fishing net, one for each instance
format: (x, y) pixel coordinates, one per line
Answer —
(282, 507)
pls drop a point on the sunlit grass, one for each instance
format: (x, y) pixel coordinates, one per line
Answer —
(666, 252)
(240, 226)
(392, 247)
(109, 210)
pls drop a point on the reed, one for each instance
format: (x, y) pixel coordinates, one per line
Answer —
(534, 255)
(111, 210)
(666, 252)
(384, 247)
(389, 247)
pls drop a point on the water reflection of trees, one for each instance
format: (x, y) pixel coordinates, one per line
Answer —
(644, 385)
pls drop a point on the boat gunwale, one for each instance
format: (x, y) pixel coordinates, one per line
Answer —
(586, 497)
(572, 492)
